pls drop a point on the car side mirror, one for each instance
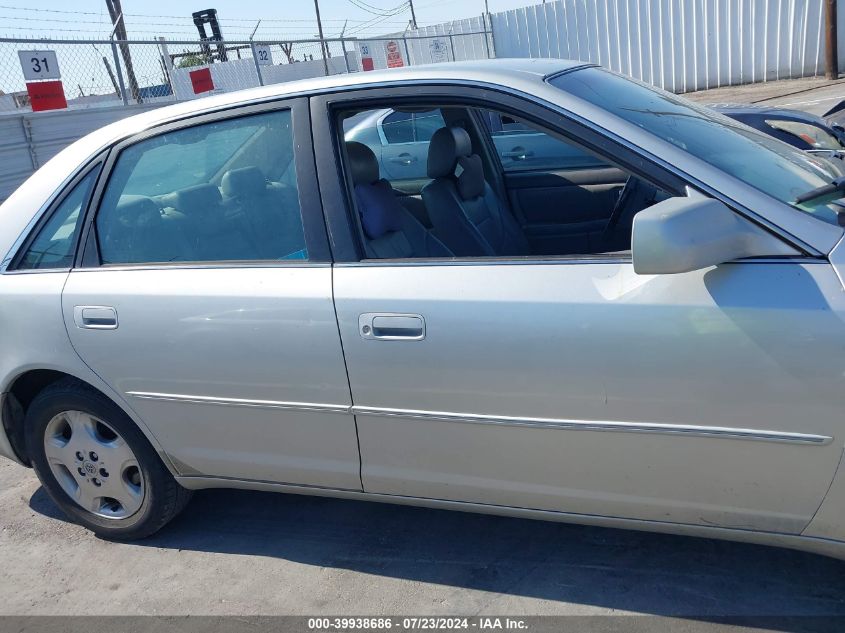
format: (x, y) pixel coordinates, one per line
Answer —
(679, 235)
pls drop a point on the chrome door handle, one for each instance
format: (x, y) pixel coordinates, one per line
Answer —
(517, 153)
(95, 317)
(404, 159)
(389, 326)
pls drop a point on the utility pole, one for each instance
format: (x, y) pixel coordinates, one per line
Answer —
(414, 15)
(116, 14)
(323, 44)
(831, 43)
(486, 8)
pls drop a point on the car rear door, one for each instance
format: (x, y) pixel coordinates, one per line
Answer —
(204, 298)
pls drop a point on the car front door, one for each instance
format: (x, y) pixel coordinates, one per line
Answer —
(575, 385)
(204, 298)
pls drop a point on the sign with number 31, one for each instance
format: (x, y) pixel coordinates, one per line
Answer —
(39, 65)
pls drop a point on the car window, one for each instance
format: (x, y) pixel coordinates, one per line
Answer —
(162, 168)
(815, 136)
(399, 140)
(398, 127)
(437, 197)
(765, 163)
(426, 124)
(53, 247)
(229, 194)
(522, 146)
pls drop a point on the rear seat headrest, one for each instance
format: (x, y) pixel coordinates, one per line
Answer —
(197, 199)
(447, 145)
(245, 181)
(363, 164)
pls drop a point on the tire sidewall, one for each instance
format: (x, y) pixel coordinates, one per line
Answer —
(50, 403)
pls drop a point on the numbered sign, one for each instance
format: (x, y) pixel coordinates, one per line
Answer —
(39, 65)
(366, 56)
(263, 55)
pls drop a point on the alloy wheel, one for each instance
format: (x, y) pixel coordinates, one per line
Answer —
(94, 465)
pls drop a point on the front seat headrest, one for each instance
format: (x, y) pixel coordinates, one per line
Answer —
(363, 164)
(448, 144)
(198, 199)
(246, 181)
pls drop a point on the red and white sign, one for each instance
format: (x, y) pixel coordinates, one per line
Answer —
(46, 95)
(201, 80)
(366, 57)
(394, 54)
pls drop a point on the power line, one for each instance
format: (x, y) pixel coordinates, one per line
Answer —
(360, 4)
(181, 17)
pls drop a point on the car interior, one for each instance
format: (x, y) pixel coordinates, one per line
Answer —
(492, 186)
(160, 208)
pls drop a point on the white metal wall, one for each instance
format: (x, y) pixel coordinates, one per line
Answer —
(679, 45)
(29, 140)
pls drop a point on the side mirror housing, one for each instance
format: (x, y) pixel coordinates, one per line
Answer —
(679, 235)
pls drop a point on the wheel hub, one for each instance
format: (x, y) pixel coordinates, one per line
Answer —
(94, 465)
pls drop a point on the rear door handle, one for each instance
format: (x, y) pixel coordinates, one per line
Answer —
(517, 153)
(404, 159)
(95, 317)
(389, 326)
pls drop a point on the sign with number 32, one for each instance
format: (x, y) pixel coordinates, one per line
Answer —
(39, 65)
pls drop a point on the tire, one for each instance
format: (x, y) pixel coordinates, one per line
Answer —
(96, 464)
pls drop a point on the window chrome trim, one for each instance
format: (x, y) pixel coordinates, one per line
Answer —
(561, 260)
(217, 265)
(601, 425)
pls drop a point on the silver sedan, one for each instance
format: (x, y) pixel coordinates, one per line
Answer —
(590, 301)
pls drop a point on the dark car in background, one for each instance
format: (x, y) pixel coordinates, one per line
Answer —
(801, 129)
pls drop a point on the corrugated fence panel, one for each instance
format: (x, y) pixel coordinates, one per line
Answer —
(29, 140)
(679, 45)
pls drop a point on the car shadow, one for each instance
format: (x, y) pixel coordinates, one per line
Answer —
(608, 568)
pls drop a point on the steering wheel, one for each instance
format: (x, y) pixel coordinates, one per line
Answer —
(635, 196)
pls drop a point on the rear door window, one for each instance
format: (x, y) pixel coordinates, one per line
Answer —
(219, 191)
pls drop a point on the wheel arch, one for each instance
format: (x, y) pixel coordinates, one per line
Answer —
(25, 385)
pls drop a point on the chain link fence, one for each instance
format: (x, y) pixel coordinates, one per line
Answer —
(101, 73)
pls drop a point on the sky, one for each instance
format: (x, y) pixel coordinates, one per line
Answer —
(147, 19)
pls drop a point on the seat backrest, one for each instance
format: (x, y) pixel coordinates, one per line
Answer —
(467, 215)
(212, 233)
(135, 231)
(390, 230)
(268, 212)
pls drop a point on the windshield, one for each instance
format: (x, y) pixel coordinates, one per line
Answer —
(770, 165)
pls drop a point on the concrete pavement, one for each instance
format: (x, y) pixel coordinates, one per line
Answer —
(240, 553)
(815, 95)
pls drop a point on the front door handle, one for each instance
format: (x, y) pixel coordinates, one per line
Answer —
(389, 326)
(95, 317)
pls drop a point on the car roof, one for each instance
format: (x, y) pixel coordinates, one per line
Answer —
(494, 71)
